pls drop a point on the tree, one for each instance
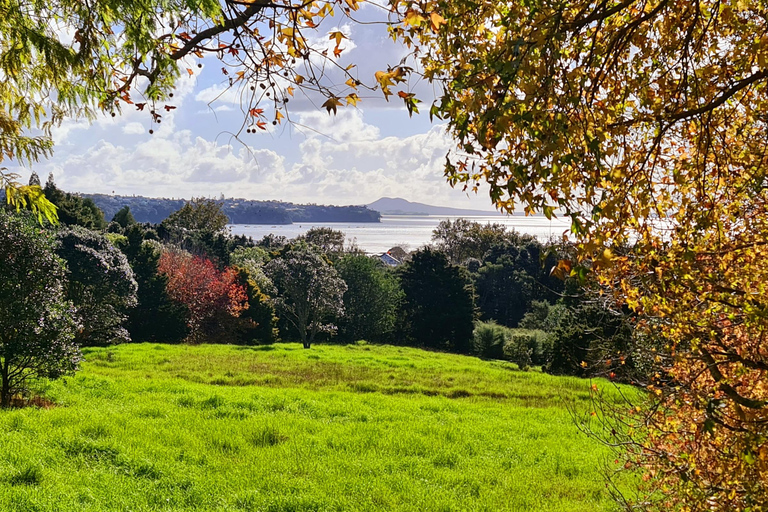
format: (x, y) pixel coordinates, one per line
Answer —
(124, 217)
(211, 296)
(371, 301)
(309, 292)
(258, 322)
(438, 308)
(329, 241)
(643, 122)
(198, 214)
(37, 325)
(463, 239)
(100, 284)
(156, 317)
(73, 210)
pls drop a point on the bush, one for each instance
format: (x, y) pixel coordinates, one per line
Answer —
(37, 325)
(488, 340)
(518, 350)
(101, 285)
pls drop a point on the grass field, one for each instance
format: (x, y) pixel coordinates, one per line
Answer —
(282, 429)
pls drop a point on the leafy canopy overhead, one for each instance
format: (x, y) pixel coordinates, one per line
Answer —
(64, 59)
(644, 122)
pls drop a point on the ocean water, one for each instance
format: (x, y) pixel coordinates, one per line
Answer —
(407, 231)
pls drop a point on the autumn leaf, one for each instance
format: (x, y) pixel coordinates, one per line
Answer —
(437, 21)
(331, 104)
(353, 99)
(413, 18)
(337, 36)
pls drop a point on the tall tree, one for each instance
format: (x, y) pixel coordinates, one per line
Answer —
(643, 121)
(198, 214)
(371, 301)
(124, 217)
(72, 209)
(309, 292)
(37, 325)
(438, 308)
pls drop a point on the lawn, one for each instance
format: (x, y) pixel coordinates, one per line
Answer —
(282, 429)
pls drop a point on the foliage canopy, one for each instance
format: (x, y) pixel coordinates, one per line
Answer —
(644, 122)
(37, 326)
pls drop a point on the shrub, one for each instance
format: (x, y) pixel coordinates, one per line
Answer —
(37, 325)
(488, 340)
(101, 285)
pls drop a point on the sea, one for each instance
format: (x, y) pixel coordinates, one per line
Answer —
(407, 231)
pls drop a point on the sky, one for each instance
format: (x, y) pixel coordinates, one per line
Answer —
(355, 157)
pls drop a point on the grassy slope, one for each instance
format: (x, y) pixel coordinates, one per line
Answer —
(152, 427)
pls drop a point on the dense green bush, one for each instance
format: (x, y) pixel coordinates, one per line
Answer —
(488, 340)
(591, 340)
(100, 284)
(37, 324)
(256, 325)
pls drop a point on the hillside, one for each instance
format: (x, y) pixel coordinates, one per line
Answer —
(278, 428)
(239, 211)
(398, 206)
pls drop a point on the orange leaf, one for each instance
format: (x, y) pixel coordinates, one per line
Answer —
(436, 20)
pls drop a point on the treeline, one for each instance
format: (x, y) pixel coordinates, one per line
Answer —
(238, 211)
(479, 289)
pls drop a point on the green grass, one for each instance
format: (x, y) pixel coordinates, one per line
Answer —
(282, 429)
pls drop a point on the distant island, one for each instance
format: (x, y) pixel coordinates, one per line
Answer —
(398, 206)
(239, 211)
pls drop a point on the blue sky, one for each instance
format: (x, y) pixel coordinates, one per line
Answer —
(355, 157)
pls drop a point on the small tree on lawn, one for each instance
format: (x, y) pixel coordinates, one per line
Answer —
(208, 293)
(36, 322)
(309, 292)
(101, 285)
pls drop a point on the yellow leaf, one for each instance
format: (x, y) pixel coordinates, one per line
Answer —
(414, 18)
(290, 90)
(352, 99)
(351, 83)
(338, 36)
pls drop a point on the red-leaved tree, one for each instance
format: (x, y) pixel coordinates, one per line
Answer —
(211, 295)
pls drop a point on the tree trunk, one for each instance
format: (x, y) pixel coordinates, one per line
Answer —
(307, 344)
(5, 391)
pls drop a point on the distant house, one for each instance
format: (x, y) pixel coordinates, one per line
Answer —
(390, 260)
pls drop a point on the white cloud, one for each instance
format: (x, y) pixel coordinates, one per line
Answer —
(134, 128)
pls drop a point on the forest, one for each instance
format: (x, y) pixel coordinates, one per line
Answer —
(477, 289)
(238, 211)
